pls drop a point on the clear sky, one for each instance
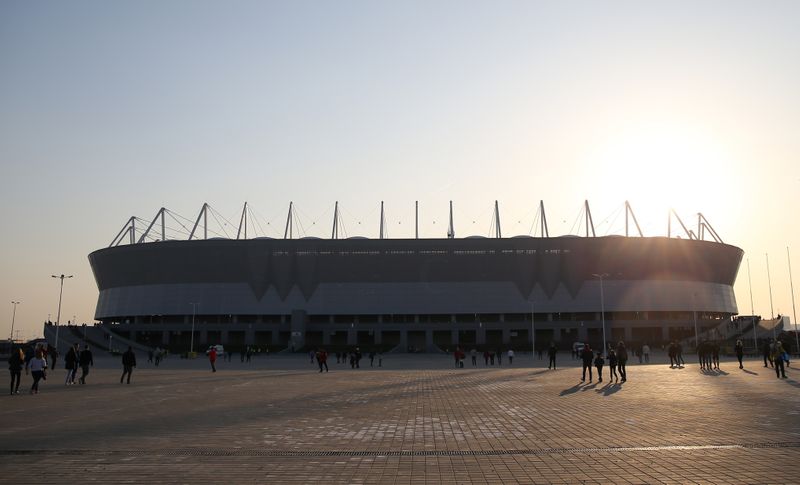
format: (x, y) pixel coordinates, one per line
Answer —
(113, 109)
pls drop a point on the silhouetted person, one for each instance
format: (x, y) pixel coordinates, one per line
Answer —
(778, 359)
(586, 358)
(767, 350)
(622, 360)
(612, 366)
(598, 363)
(551, 353)
(739, 349)
(128, 363)
(71, 365)
(85, 360)
(15, 362)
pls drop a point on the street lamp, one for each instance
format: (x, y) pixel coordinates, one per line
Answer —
(60, 293)
(191, 340)
(694, 312)
(533, 331)
(600, 276)
(13, 317)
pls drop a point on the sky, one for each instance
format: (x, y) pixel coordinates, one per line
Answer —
(115, 109)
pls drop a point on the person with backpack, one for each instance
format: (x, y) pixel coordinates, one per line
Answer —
(778, 359)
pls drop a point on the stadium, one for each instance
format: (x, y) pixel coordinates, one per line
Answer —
(415, 294)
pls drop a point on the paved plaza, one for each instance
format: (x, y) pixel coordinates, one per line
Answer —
(415, 420)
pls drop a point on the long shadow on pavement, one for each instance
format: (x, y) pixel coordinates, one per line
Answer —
(609, 389)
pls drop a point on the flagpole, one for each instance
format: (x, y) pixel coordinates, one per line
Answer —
(794, 311)
(771, 310)
(752, 312)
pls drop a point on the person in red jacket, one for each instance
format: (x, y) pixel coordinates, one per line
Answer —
(322, 359)
(212, 357)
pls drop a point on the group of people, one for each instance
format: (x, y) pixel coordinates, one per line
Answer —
(675, 353)
(77, 358)
(353, 357)
(708, 354)
(34, 361)
(489, 357)
(617, 362)
(155, 356)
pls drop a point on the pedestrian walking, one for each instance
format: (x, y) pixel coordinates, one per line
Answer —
(612, 366)
(71, 365)
(212, 358)
(622, 360)
(38, 366)
(486, 357)
(778, 359)
(739, 349)
(499, 356)
(128, 363)
(586, 357)
(474, 354)
(646, 352)
(510, 357)
(766, 350)
(322, 359)
(715, 348)
(679, 355)
(15, 362)
(85, 360)
(380, 359)
(551, 354)
(371, 358)
(52, 352)
(598, 364)
(672, 352)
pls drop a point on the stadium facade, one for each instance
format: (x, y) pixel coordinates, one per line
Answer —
(415, 293)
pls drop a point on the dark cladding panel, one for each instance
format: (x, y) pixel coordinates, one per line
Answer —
(567, 262)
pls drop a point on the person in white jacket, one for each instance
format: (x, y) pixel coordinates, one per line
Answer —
(37, 365)
(510, 356)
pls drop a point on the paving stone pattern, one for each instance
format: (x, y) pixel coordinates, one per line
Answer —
(414, 421)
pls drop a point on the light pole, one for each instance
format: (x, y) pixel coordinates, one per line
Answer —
(13, 317)
(191, 340)
(600, 276)
(533, 331)
(694, 312)
(794, 310)
(771, 310)
(60, 293)
(752, 311)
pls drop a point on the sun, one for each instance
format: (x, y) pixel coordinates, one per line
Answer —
(659, 166)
